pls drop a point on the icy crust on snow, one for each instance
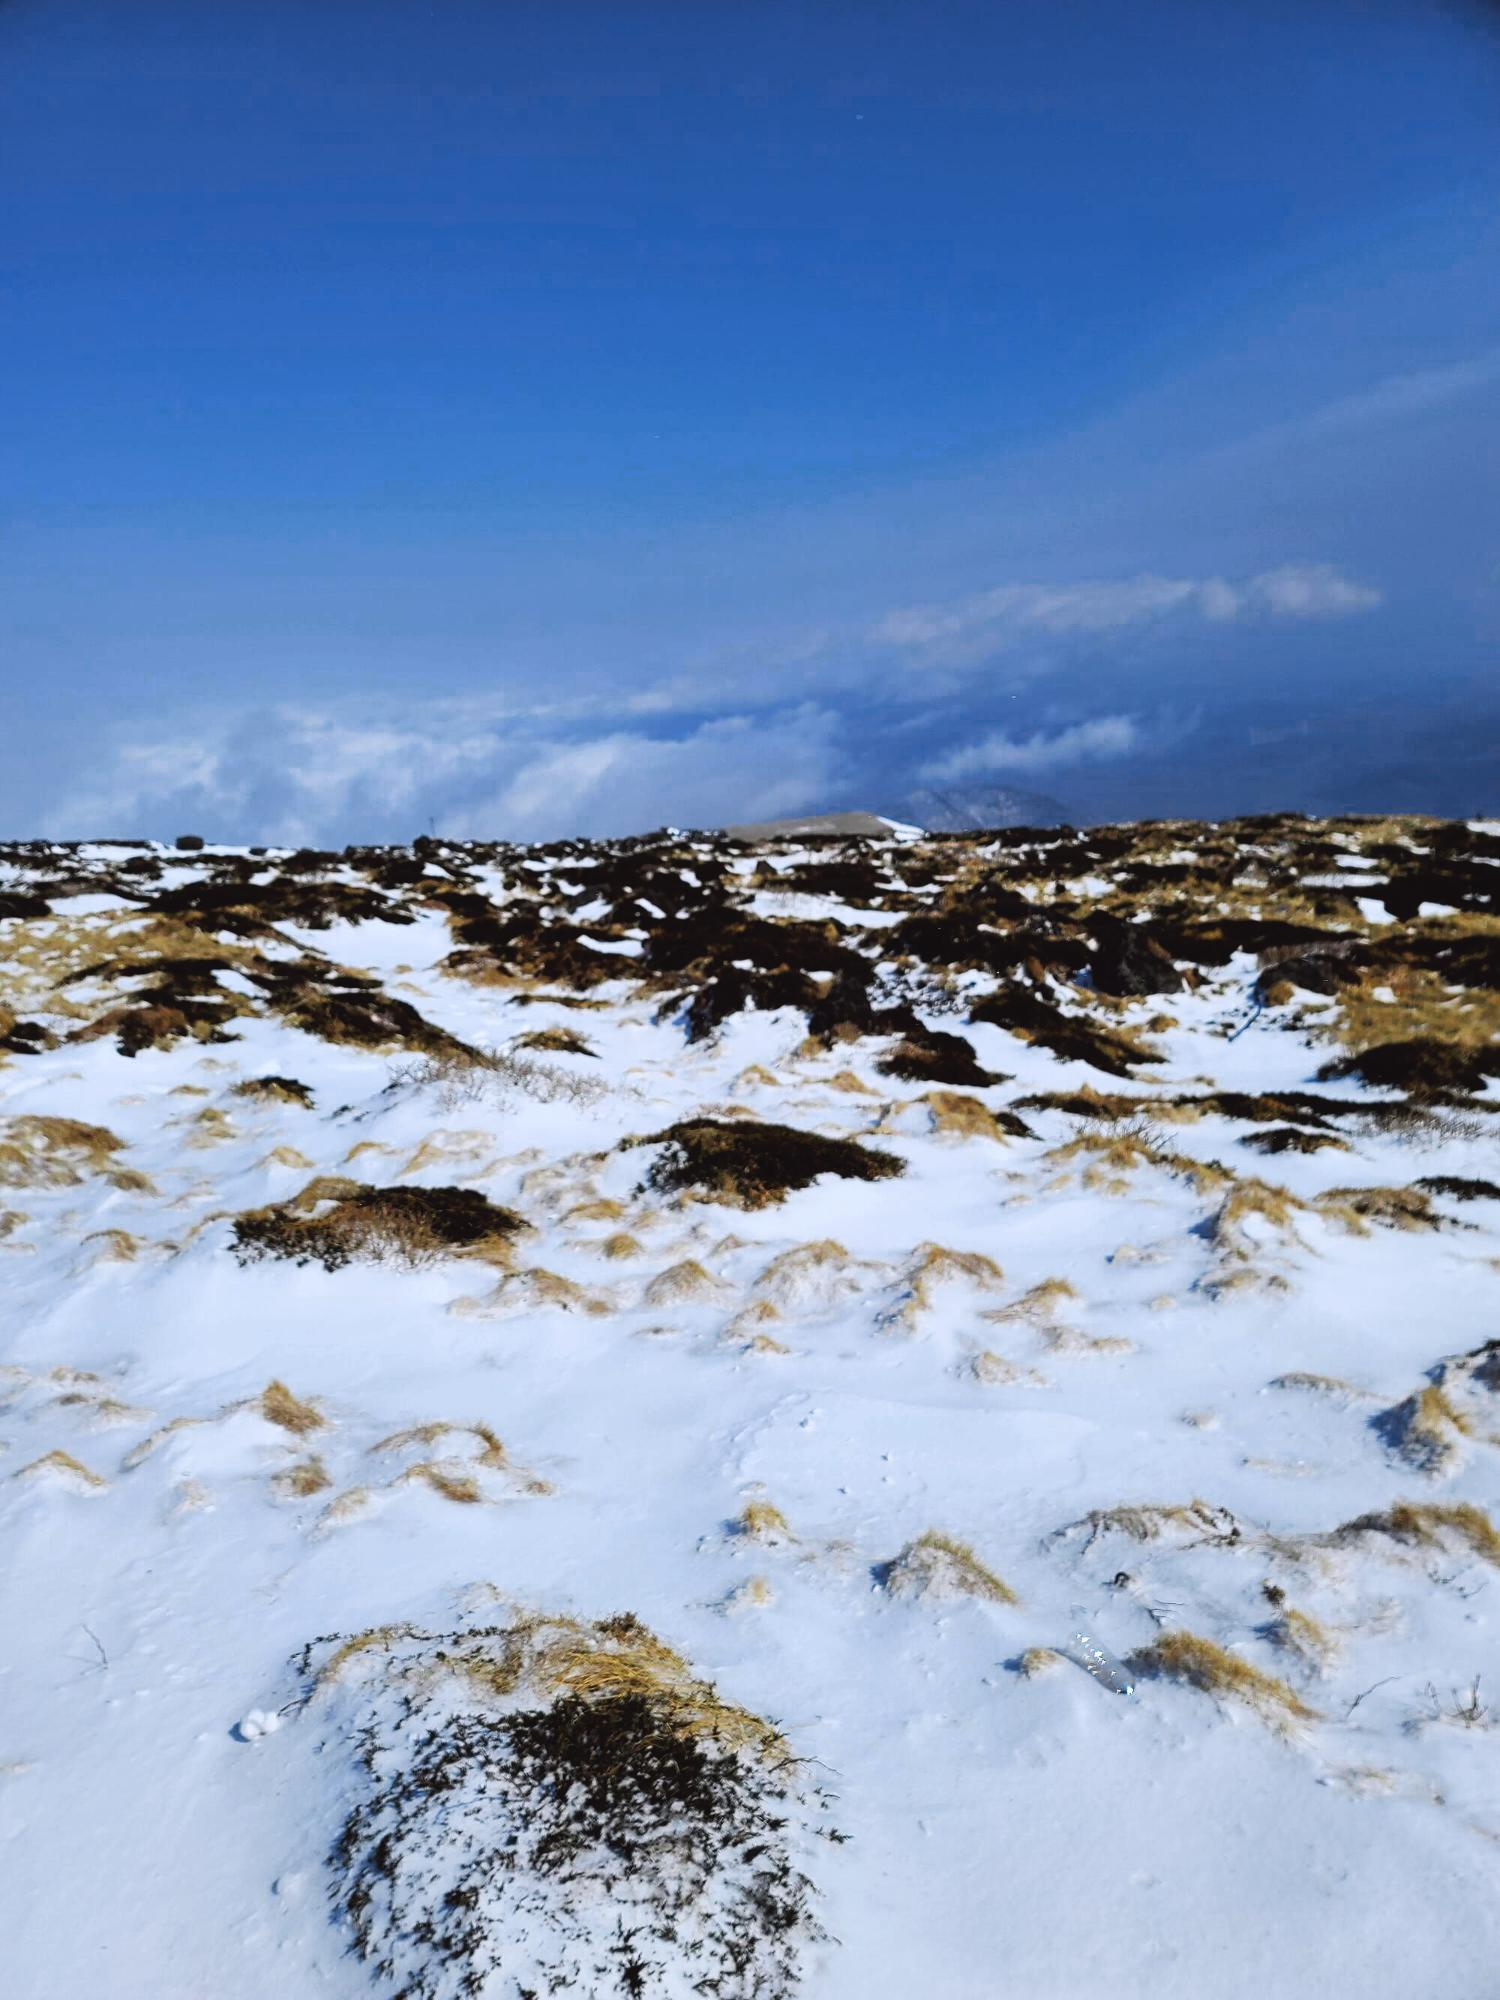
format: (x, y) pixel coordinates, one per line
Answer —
(845, 1416)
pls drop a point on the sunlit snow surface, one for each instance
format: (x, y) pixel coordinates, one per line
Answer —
(1178, 1401)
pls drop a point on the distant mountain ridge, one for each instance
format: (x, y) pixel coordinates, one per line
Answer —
(968, 808)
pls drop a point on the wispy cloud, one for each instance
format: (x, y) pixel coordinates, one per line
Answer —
(1013, 613)
(1092, 742)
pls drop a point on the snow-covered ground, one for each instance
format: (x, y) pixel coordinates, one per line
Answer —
(1159, 1392)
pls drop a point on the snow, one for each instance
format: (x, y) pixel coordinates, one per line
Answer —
(169, 1792)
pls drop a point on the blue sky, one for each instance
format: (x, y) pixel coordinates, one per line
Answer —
(538, 418)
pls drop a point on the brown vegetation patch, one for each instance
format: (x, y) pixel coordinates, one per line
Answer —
(1186, 1656)
(335, 1222)
(750, 1164)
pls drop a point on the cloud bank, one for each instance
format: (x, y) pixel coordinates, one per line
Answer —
(777, 735)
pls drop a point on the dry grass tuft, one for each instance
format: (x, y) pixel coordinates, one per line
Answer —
(545, 1657)
(965, 1117)
(302, 1480)
(1360, 1209)
(760, 1521)
(754, 1594)
(850, 1085)
(63, 1467)
(1425, 1430)
(47, 1152)
(533, 1290)
(1307, 1384)
(682, 1283)
(1186, 1656)
(604, 1209)
(620, 1246)
(491, 1454)
(1041, 1303)
(450, 1481)
(936, 1565)
(1038, 1660)
(933, 1265)
(1302, 1638)
(1193, 1524)
(1428, 1526)
(275, 1090)
(556, 1041)
(996, 1372)
(279, 1406)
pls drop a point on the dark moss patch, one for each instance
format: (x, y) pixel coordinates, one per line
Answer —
(411, 1225)
(1457, 1188)
(928, 1055)
(735, 991)
(1423, 1068)
(1289, 1139)
(486, 1843)
(845, 1011)
(753, 1165)
(1021, 1010)
(275, 1089)
(24, 1038)
(557, 1041)
(1128, 961)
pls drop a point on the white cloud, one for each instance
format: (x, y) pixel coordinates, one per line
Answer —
(307, 777)
(1092, 742)
(976, 627)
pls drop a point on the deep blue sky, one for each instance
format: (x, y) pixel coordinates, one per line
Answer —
(538, 417)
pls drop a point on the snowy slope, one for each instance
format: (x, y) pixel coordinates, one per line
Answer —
(1145, 1387)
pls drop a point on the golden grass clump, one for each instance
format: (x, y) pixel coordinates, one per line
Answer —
(302, 1480)
(275, 1090)
(532, 1290)
(544, 1657)
(1358, 1209)
(1404, 1003)
(1302, 1638)
(448, 1481)
(1192, 1524)
(1042, 1302)
(619, 1246)
(850, 1085)
(1426, 1431)
(279, 1406)
(138, 1454)
(604, 1209)
(933, 1265)
(996, 1372)
(812, 1277)
(491, 1454)
(1038, 1660)
(681, 1284)
(1186, 1656)
(963, 1116)
(66, 1470)
(1428, 1526)
(936, 1565)
(761, 1521)
(754, 1594)
(1119, 1150)
(47, 1152)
